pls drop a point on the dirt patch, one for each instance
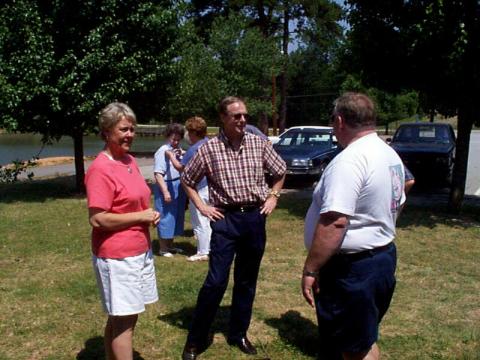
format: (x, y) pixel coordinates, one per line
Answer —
(57, 160)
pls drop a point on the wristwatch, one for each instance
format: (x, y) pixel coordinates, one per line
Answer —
(275, 193)
(310, 273)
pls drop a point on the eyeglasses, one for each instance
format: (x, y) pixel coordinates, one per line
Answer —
(239, 116)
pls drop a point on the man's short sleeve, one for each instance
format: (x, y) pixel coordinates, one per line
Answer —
(341, 184)
(272, 162)
(194, 170)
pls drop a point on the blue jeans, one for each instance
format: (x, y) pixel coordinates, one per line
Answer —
(240, 236)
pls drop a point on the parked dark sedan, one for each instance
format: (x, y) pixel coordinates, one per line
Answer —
(307, 150)
(427, 149)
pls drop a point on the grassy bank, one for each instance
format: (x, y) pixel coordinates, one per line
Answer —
(50, 307)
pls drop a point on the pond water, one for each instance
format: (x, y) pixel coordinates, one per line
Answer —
(26, 146)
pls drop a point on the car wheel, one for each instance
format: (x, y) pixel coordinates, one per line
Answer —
(323, 166)
(449, 177)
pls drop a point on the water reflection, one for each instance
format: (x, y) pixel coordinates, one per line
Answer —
(26, 146)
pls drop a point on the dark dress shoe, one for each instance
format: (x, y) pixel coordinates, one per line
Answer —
(190, 352)
(244, 345)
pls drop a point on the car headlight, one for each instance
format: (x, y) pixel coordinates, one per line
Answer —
(302, 162)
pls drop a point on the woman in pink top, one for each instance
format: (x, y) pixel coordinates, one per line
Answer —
(120, 216)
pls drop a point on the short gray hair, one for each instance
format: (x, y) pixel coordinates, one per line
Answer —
(112, 114)
(357, 109)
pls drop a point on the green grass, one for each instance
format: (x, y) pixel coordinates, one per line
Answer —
(50, 308)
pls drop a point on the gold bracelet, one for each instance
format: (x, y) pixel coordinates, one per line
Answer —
(275, 193)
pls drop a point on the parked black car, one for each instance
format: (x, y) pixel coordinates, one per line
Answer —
(427, 149)
(307, 150)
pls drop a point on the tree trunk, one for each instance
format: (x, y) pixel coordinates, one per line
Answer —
(79, 164)
(283, 75)
(468, 112)
(263, 123)
(459, 178)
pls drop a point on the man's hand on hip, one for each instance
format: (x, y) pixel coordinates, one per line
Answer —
(211, 212)
(269, 205)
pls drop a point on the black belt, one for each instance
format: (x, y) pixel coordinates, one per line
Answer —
(172, 179)
(239, 208)
(366, 253)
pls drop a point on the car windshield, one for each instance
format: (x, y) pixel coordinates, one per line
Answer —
(423, 133)
(307, 138)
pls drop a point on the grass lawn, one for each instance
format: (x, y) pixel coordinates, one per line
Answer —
(50, 307)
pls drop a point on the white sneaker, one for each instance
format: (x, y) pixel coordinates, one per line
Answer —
(198, 257)
(165, 254)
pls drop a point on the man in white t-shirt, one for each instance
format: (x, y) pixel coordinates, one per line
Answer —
(349, 273)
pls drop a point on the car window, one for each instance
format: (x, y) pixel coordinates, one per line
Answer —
(426, 133)
(304, 139)
(405, 134)
(287, 139)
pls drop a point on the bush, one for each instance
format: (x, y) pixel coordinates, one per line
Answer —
(9, 173)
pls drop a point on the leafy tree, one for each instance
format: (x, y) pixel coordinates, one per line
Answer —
(283, 21)
(314, 82)
(432, 46)
(62, 61)
(235, 60)
(199, 81)
(389, 106)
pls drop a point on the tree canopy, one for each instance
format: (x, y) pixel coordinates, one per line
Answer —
(62, 61)
(307, 23)
(431, 46)
(234, 60)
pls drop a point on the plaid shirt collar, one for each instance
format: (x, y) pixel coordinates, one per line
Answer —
(223, 138)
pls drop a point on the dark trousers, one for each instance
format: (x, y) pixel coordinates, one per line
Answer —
(355, 293)
(240, 236)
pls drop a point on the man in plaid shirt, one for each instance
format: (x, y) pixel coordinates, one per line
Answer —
(234, 163)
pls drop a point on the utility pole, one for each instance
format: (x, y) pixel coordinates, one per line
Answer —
(274, 106)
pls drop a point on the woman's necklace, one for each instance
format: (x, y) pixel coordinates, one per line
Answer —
(129, 169)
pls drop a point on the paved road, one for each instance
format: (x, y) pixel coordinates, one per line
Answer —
(473, 171)
(41, 172)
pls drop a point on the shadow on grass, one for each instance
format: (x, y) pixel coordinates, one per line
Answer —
(297, 331)
(94, 350)
(183, 318)
(39, 190)
(426, 209)
(432, 216)
(187, 247)
(296, 203)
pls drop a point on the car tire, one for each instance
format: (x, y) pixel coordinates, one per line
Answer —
(322, 167)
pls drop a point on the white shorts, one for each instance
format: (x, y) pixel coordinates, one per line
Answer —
(126, 285)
